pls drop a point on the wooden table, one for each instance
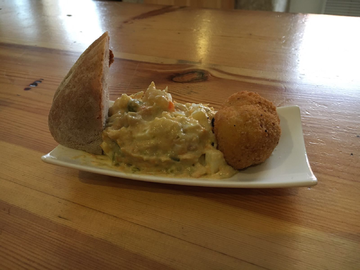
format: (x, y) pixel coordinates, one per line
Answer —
(59, 218)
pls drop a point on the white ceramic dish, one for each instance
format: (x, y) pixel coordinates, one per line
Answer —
(288, 166)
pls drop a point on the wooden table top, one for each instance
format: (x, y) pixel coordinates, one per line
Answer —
(60, 218)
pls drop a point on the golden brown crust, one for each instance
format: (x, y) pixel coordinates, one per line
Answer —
(78, 112)
(251, 98)
(247, 129)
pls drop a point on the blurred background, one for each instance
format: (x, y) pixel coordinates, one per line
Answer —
(333, 7)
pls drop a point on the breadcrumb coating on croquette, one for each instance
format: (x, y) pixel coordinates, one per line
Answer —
(251, 98)
(247, 129)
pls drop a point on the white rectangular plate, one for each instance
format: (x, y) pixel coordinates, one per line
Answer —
(288, 166)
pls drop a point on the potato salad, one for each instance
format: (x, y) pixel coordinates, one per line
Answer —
(150, 133)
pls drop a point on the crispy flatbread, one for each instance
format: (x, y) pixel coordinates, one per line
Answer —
(80, 106)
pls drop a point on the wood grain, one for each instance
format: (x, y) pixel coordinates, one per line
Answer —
(227, 4)
(59, 218)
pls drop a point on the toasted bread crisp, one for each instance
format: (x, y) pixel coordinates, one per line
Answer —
(247, 129)
(80, 106)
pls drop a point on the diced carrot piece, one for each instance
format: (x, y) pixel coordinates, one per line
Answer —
(171, 106)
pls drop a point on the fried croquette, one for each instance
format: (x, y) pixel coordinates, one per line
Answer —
(251, 98)
(247, 129)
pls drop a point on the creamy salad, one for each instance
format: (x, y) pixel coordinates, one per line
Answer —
(150, 133)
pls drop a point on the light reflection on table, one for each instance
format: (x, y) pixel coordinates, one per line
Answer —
(326, 51)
